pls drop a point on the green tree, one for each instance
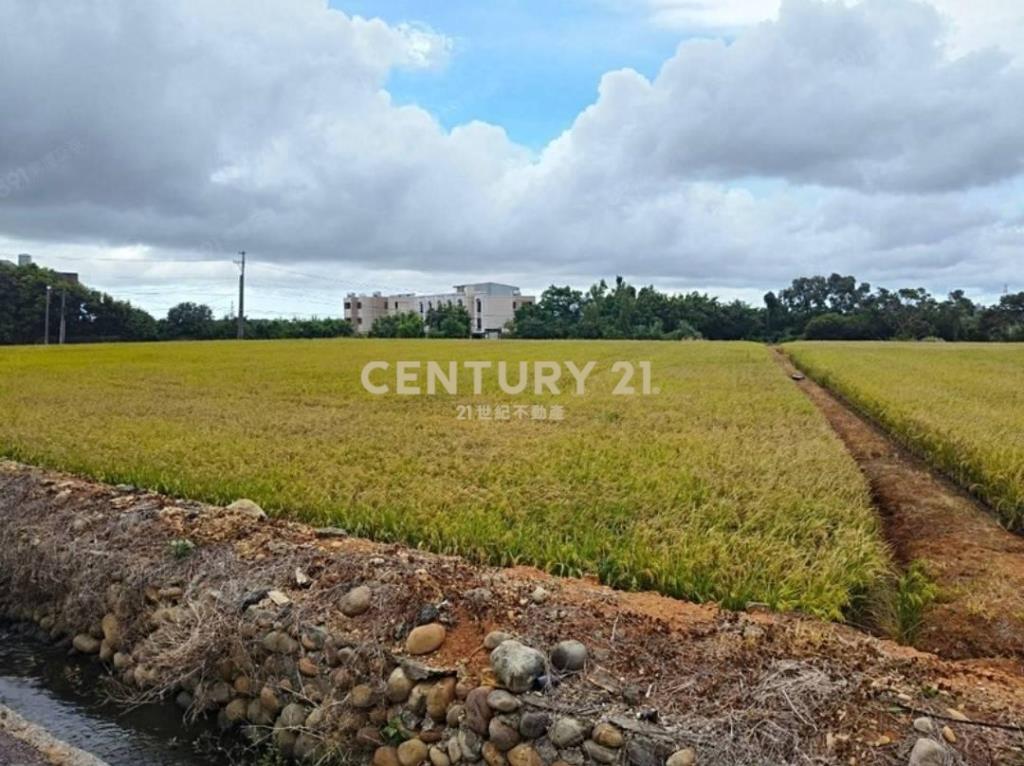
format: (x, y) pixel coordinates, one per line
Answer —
(448, 321)
(188, 321)
(408, 325)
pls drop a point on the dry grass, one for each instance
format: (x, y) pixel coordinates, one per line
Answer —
(725, 486)
(960, 406)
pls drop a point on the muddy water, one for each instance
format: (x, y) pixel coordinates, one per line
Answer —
(59, 693)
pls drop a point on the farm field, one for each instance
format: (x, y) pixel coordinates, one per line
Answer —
(960, 406)
(726, 484)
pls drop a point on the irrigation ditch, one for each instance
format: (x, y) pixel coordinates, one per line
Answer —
(939, 531)
(312, 645)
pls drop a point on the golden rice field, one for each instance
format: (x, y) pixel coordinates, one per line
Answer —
(725, 485)
(961, 406)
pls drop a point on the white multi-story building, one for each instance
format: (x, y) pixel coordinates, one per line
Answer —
(490, 305)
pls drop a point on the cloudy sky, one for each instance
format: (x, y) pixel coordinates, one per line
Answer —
(723, 145)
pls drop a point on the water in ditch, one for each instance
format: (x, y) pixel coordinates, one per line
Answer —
(47, 687)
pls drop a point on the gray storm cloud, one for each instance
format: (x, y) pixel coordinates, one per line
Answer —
(833, 138)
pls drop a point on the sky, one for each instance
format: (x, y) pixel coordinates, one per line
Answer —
(360, 145)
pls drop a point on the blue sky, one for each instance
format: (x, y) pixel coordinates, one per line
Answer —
(530, 66)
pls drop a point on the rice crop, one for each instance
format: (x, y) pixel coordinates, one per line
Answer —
(723, 484)
(960, 406)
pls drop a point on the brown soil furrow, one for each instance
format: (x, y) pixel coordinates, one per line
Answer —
(977, 564)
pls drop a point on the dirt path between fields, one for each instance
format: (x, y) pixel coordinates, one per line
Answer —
(977, 564)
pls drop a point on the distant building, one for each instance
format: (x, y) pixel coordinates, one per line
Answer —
(24, 259)
(490, 305)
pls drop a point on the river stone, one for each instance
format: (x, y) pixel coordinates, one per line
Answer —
(496, 638)
(305, 747)
(523, 755)
(454, 751)
(284, 739)
(425, 639)
(248, 508)
(438, 757)
(279, 642)
(314, 719)
(258, 715)
(492, 755)
(293, 716)
(927, 752)
(567, 732)
(86, 644)
(237, 710)
(602, 754)
(417, 702)
(569, 655)
(502, 701)
(455, 715)
(534, 725)
(308, 668)
(924, 725)
(362, 696)
(111, 628)
(356, 601)
(478, 712)
(221, 693)
(547, 752)
(469, 744)
(369, 736)
(502, 735)
(121, 660)
(607, 735)
(269, 701)
(314, 639)
(399, 686)
(517, 666)
(685, 757)
(385, 756)
(643, 752)
(183, 700)
(571, 756)
(439, 698)
(412, 752)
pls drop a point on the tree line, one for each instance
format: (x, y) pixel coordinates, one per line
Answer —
(817, 308)
(92, 316)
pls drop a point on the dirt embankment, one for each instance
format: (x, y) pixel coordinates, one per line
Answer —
(306, 638)
(977, 565)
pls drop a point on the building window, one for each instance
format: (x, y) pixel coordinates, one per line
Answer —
(479, 323)
(421, 307)
(396, 305)
(348, 305)
(460, 301)
(478, 306)
(514, 306)
(359, 320)
(359, 305)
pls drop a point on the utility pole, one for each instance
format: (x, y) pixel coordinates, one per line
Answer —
(63, 325)
(241, 296)
(46, 321)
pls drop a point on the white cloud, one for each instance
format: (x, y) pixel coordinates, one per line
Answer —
(972, 24)
(834, 138)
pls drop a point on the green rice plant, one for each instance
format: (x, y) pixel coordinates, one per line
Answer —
(960, 406)
(724, 484)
